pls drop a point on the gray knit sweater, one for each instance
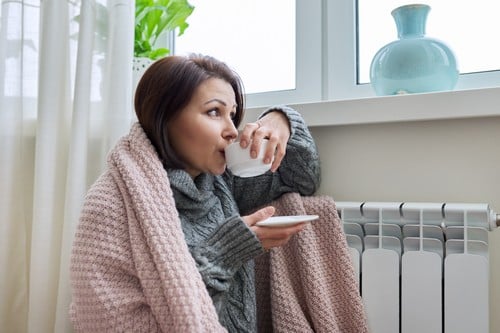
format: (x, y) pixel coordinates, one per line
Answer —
(218, 239)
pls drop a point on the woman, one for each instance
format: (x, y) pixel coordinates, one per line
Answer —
(131, 268)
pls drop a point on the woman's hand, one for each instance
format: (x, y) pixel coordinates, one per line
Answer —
(275, 127)
(270, 237)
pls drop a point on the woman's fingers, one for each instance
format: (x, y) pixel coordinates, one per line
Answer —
(259, 215)
(270, 236)
(274, 127)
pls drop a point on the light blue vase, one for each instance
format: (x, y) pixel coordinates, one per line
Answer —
(413, 63)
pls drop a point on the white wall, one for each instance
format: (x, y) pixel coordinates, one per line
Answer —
(431, 161)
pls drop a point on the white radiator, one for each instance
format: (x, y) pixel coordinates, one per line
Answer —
(419, 272)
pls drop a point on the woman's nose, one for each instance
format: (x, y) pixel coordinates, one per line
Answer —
(231, 132)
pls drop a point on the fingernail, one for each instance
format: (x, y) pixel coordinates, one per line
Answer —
(243, 143)
(253, 153)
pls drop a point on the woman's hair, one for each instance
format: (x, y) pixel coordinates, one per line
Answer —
(167, 87)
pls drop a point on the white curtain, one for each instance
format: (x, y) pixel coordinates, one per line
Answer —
(65, 98)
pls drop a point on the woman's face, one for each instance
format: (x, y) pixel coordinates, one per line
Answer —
(201, 131)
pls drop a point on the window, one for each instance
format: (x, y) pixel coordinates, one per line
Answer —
(267, 42)
(330, 37)
(467, 29)
(263, 54)
(350, 25)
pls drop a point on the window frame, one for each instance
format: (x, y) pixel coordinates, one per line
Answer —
(341, 28)
(327, 76)
(345, 102)
(309, 60)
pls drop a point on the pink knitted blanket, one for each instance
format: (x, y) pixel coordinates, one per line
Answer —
(132, 271)
(309, 285)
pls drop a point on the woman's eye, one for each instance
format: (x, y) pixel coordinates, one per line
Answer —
(213, 113)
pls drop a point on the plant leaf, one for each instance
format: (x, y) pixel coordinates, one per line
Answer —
(154, 17)
(159, 53)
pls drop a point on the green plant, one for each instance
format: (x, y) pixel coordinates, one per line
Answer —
(155, 17)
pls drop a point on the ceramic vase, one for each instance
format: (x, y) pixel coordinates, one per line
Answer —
(413, 63)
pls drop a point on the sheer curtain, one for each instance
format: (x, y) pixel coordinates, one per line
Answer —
(65, 98)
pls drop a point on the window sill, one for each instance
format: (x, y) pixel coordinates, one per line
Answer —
(456, 104)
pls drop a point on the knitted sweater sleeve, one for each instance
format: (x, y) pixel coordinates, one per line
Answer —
(224, 252)
(299, 171)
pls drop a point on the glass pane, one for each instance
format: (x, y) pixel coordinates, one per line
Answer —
(469, 28)
(256, 38)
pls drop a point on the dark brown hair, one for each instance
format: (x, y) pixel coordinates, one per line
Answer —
(166, 88)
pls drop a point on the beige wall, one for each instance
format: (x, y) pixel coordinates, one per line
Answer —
(434, 161)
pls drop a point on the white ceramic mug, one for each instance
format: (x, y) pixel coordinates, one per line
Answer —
(240, 163)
